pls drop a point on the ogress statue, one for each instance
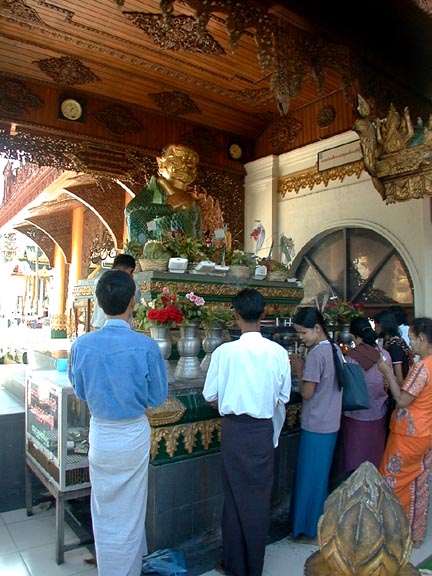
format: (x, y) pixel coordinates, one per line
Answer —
(168, 203)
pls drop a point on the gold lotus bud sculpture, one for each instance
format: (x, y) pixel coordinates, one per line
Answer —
(363, 530)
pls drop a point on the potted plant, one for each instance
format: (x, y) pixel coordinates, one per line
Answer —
(276, 270)
(241, 264)
(155, 256)
(181, 246)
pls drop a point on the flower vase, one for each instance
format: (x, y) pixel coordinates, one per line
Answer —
(212, 339)
(188, 346)
(344, 335)
(161, 334)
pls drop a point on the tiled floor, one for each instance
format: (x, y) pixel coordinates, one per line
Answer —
(27, 549)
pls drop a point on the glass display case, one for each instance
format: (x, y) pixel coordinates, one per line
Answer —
(57, 428)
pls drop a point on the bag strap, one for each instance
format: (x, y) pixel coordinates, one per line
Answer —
(338, 365)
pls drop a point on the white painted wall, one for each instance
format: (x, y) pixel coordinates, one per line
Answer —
(352, 202)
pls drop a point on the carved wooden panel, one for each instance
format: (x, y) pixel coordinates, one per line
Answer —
(45, 243)
(106, 198)
(59, 227)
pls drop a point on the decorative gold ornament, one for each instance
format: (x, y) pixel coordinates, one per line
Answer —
(169, 412)
(363, 530)
(310, 178)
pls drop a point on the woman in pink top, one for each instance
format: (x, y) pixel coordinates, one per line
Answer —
(363, 432)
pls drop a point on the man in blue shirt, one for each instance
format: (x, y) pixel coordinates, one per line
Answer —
(119, 373)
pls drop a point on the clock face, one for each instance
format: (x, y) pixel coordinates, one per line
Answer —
(71, 109)
(235, 151)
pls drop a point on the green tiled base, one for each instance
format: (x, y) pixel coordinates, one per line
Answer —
(427, 564)
(55, 334)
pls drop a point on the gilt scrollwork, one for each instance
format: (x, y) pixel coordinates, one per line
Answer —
(188, 432)
(398, 160)
(310, 178)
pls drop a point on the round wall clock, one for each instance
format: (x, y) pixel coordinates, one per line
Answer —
(71, 109)
(235, 151)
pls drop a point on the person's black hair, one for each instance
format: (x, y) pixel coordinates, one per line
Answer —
(400, 314)
(308, 317)
(114, 291)
(249, 304)
(422, 325)
(124, 261)
(389, 325)
(362, 328)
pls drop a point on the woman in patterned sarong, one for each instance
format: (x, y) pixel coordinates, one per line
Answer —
(407, 458)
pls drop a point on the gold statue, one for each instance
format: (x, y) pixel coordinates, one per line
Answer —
(394, 132)
(169, 203)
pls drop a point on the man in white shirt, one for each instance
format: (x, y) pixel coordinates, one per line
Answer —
(251, 380)
(124, 262)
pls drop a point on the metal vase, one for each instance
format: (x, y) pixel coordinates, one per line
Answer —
(212, 339)
(188, 346)
(162, 336)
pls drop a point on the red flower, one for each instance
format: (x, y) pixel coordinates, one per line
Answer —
(164, 315)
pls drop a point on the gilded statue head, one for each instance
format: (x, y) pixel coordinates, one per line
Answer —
(178, 163)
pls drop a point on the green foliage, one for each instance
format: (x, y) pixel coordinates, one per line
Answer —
(133, 248)
(213, 313)
(183, 246)
(155, 250)
(241, 258)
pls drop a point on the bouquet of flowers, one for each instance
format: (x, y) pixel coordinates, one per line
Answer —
(164, 309)
(191, 307)
(342, 312)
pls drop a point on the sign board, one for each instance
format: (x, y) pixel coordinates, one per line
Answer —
(343, 154)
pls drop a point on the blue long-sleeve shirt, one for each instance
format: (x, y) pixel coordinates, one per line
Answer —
(117, 371)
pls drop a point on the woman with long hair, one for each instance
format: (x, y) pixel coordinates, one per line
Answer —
(387, 328)
(407, 458)
(320, 387)
(363, 432)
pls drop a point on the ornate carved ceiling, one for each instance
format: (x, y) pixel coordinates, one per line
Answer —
(239, 67)
(224, 64)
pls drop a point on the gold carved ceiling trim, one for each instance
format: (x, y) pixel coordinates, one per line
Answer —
(151, 64)
(293, 55)
(298, 56)
(59, 227)
(310, 178)
(283, 133)
(66, 71)
(39, 237)
(181, 35)
(23, 187)
(118, 120)
(175, 103)
(16, 99)
(106, 198)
